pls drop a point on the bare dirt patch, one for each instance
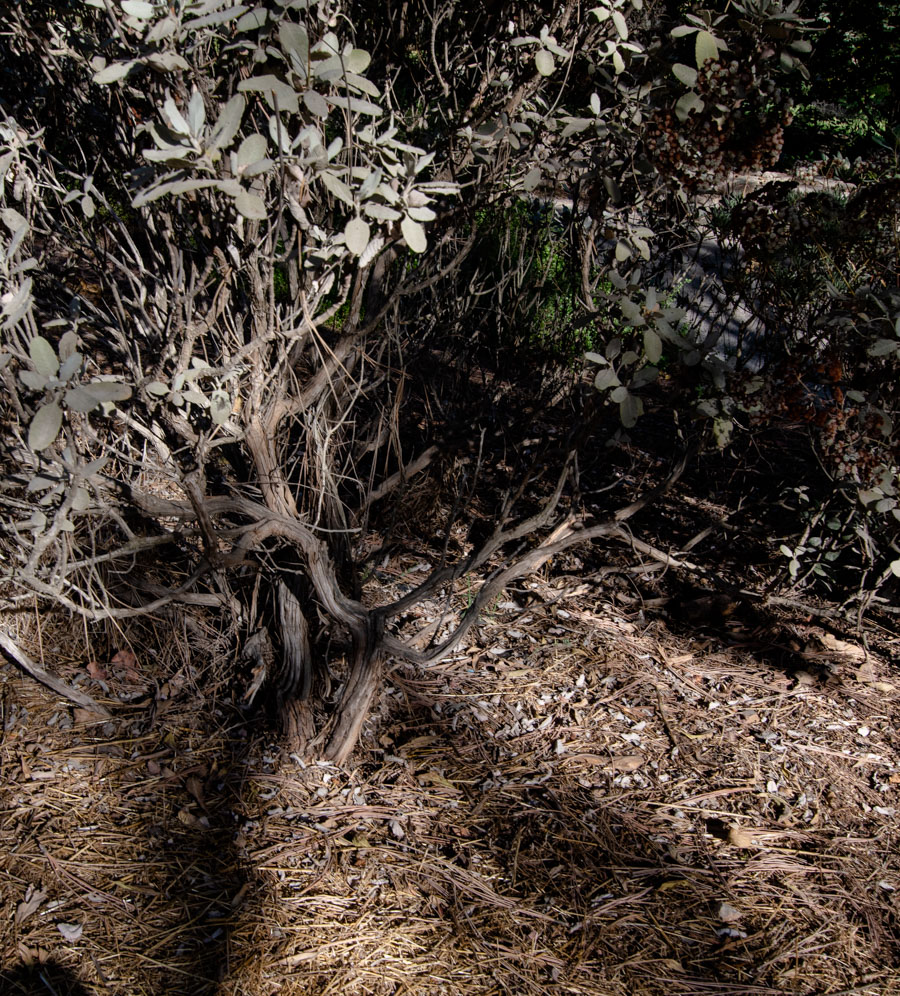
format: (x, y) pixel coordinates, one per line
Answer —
(579, 801)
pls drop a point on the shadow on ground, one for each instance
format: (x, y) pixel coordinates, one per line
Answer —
(47, 979)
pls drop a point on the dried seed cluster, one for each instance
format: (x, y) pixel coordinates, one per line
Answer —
(740, 125)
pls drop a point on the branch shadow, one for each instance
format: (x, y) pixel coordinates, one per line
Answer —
(43, 979)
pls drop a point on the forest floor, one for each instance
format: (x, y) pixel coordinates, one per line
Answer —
(586, 799)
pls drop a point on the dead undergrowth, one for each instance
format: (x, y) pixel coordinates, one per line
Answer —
(580, 801)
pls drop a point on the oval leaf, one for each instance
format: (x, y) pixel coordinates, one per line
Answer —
(316, 104)
(544, 62)
(605, 379)
(43, 356)
(220, 407)
(532, 179)
(167, 61)
(70, 366)
(108, 390)
(229, 122)
(254, 19)
(113, 73)
(414, 234)
(79, 400)
(252, 149)
(421, 213)
(33, 381)
(630, 410)
(356, 235)
(293, 38)
(705, 48)
(357, 61)
(44, 426)
(250, 206)
(138, 8)
(685, 74)
(688, 103)
(652, 345)
(337, 187)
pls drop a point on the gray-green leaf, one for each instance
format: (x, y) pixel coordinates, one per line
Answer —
(356, 235)
(705, 48)
(293, 38)
(630, 410)
(32, 380)
(337, 187)
(605, 379)
(167, 61)
(414, 234)
(544, 62)
(138, 8)
(108, 390)
(687, 103)
(114, 72)
(69, 366)
(220, 406)
(79, 400)
(358, 60)
(685, 74)
(250, 206)
(43, 356)
(252, 149)
(532, 179)
(316, 104)
(44, 426)
(652, 345)
(229, 122)
(285, 95)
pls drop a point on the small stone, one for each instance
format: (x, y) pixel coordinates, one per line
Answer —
(727, 913)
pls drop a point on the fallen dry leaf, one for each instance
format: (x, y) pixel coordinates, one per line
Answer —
(195, 788)
(88, 716)
(626, 762)
(740, 838)
(96, 671)
(866, 673)
(71, 931)
(128, 662)
(186, 817)
(240, 895)
(33, 899)
(727, 913)
(832, 643)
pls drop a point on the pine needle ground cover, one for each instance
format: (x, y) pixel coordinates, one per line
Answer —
(580, 801)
